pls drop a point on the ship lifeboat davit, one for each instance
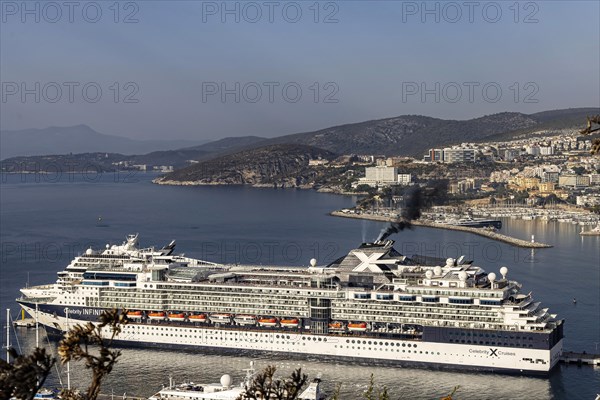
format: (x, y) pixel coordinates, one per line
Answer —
(176, 316)
(242, 319)
(267, 321)
(336, 326)
(198, 318)
(134, 314)
(357, 326)
(220, 318)
(156, 315)
(289, 322)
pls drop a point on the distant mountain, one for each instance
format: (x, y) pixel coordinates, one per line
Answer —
(181, 157)
(77, 139)
(229, 144)
(283, 165)
(409, 135)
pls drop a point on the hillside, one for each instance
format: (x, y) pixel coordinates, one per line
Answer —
(282, 165)
(412, 135)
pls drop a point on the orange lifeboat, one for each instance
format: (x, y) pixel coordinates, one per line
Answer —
(134, 314)
(156, 315)
(289, 322)
(336, 326)
(197, 318)
(357, 327)
(176, 316)
(269, 321)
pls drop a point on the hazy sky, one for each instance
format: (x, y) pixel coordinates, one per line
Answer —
(200, 70)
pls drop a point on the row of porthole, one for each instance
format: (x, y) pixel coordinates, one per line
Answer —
(492, 343)
(380, 343)
(493, 335)
(398, 350)
(227, 333)
(317, 339)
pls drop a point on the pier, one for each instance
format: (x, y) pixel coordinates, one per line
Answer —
(569, 357)
(477, 231)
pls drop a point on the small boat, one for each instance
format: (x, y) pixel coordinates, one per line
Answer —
(225, 390)
(197, 318)
(243, 319)
(289, 322)
(222, 390)
(269, 321)
(46, 394)
(176, 316)
(156, 315)
(357, 326)
(220, 318)
(336, 326)
(134, 314)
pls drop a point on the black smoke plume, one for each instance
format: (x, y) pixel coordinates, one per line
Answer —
(415, 200)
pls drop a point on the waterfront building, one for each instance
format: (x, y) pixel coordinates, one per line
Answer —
(511, 154)
(404, 179)
(572, 180)
(550, 176)
(455, 155)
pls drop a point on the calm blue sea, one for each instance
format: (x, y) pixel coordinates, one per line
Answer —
(46, 220)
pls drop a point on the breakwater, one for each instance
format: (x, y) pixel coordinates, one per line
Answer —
(477, 231)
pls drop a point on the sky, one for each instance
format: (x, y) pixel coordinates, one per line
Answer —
(203, 70)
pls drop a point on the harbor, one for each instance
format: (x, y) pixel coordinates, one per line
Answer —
(570, 215)
(570, 265)
(431, 224)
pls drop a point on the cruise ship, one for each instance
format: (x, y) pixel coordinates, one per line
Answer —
(475, 222)
(371, 305)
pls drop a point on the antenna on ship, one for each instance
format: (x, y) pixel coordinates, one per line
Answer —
(37, 331)
(8, 335)
(68, 362)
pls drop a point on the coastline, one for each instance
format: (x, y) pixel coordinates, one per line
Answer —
(326, 189)
(477, 231)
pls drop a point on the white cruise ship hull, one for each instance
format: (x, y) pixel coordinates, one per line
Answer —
(350, 347)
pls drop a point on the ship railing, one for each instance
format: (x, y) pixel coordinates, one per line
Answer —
(35, 299)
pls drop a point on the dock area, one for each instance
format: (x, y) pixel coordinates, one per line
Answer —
(569, 357)
(477, 231)
(24, 323)
(123, 396)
